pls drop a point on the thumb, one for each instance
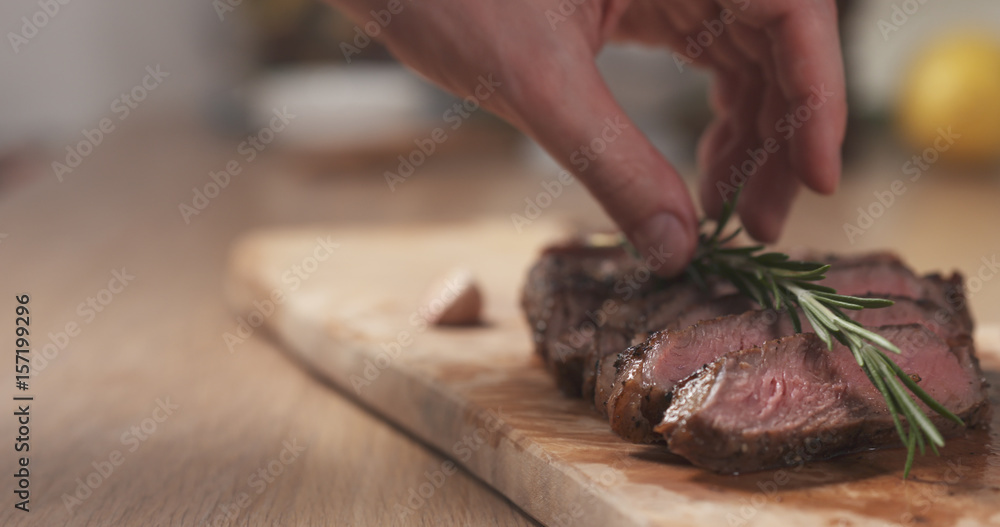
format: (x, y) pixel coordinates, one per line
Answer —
(581, 125)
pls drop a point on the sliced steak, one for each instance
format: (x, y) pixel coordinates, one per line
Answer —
(645, 375)
(940, 320)
(581, 299)
(631, 323)
(586, 303)
(636, 388)
(881, 274)
(909, 311)
(953, 309)
(792, 400)
(732, 304)
(566, 283)
(605, 374)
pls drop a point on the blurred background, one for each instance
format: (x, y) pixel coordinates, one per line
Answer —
(911, 64)
(102, 100)
(243, 113)
(147, 136)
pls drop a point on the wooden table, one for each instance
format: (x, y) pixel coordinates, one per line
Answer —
(190, 432)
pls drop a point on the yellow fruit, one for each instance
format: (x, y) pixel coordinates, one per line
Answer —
(954, 82)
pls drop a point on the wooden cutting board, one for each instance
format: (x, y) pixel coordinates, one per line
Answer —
(346, 303)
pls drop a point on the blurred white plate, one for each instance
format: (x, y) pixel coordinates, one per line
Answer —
(349, 108)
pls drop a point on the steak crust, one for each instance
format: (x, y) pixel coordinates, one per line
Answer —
(792, 400)
(584, 303)
(657, 356)
(634, 396)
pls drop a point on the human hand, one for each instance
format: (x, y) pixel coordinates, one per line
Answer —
(770, 59)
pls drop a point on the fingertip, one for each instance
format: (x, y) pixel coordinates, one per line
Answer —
(711, 148)
(818, 164)
(826, 184)
(764, 226)
(709, 196)
(667, 242)
(767, 200)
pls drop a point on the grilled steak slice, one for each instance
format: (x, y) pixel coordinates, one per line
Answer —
(605, 374)
(568, 282)
(605, 357)
(564, 284)
(632, 322)
(732, 304)
(951, 316)
(579, 299)
(646, 374)
(909, 311)
(904, 311)
(636, 389)
(792, 400)
(882, 274)
(584, 303)
(952, 306)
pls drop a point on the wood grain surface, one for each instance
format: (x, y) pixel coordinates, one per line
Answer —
(348, 304)
(161, 338)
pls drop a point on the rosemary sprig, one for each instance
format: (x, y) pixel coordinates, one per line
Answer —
(775, 281)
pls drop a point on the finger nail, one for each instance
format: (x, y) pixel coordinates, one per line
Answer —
(665, 242)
